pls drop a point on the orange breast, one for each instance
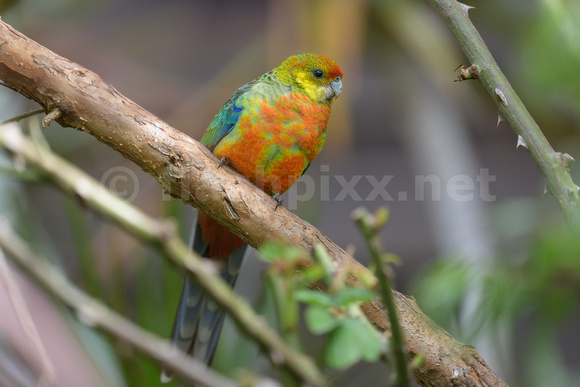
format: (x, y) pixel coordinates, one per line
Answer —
(273, 143)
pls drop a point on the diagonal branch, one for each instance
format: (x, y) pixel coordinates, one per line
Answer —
(189, 172)
(21, 311)
(95, 314)
(163, 236)
(554, 166)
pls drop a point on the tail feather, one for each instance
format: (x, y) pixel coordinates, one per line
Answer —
(220, 242)
(199, 320)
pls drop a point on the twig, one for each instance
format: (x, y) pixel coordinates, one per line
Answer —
(369, 226)
(22, 116)
(188, 171)
(163, 236)
(53, 115)
(554, 166)
(95, 314)
(48, 377)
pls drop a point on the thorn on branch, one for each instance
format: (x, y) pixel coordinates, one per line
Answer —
(501, 96)
(53, 115)
(573, 192)
(471, 72)
(521, 142)
(500, 119)
(465, 8)
(565, 160)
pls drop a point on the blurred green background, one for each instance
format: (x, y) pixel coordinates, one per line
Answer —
(486, 256)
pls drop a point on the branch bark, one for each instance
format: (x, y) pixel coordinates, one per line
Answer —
(162, 235)
(188, 171)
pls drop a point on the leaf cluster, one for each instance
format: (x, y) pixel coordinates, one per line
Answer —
(337, 314)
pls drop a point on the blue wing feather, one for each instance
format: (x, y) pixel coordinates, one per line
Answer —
(225, 119)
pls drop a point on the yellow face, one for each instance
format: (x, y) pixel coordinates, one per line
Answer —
(317, 84)
(318, 76)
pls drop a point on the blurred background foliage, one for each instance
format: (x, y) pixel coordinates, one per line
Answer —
(496, 268)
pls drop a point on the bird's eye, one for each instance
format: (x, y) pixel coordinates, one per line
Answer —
(318, 73)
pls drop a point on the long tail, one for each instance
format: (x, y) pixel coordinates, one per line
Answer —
(198, 321)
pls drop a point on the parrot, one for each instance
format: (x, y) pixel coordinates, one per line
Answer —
(269, 130)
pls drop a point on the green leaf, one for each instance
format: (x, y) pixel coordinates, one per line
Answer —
(381, 217)
(352, 341)
(312, 274)
(273, 251)
(342, 349)
(369, 341)
(320, 320)
(352, 295)
(313, 297)
(321, 257)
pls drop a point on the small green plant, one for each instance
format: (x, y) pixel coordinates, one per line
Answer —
(337, 313)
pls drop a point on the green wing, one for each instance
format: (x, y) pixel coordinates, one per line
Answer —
(226, 118)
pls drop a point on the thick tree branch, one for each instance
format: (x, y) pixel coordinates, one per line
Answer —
(554, 166)
(162, 235)
(188, 171)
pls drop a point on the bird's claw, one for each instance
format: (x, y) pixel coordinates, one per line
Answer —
(223, 161)
(278, 200)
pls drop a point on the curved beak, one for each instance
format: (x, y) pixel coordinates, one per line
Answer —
(336, 86)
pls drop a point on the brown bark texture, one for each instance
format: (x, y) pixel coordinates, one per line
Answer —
(188, 171)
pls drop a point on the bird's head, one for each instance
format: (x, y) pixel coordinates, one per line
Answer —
(318, 76)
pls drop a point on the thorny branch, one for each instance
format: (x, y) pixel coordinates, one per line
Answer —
(554, 166)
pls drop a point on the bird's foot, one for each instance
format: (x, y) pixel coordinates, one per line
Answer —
(278, 200)
(223, 161)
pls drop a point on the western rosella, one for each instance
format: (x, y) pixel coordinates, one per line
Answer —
(270, 130)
